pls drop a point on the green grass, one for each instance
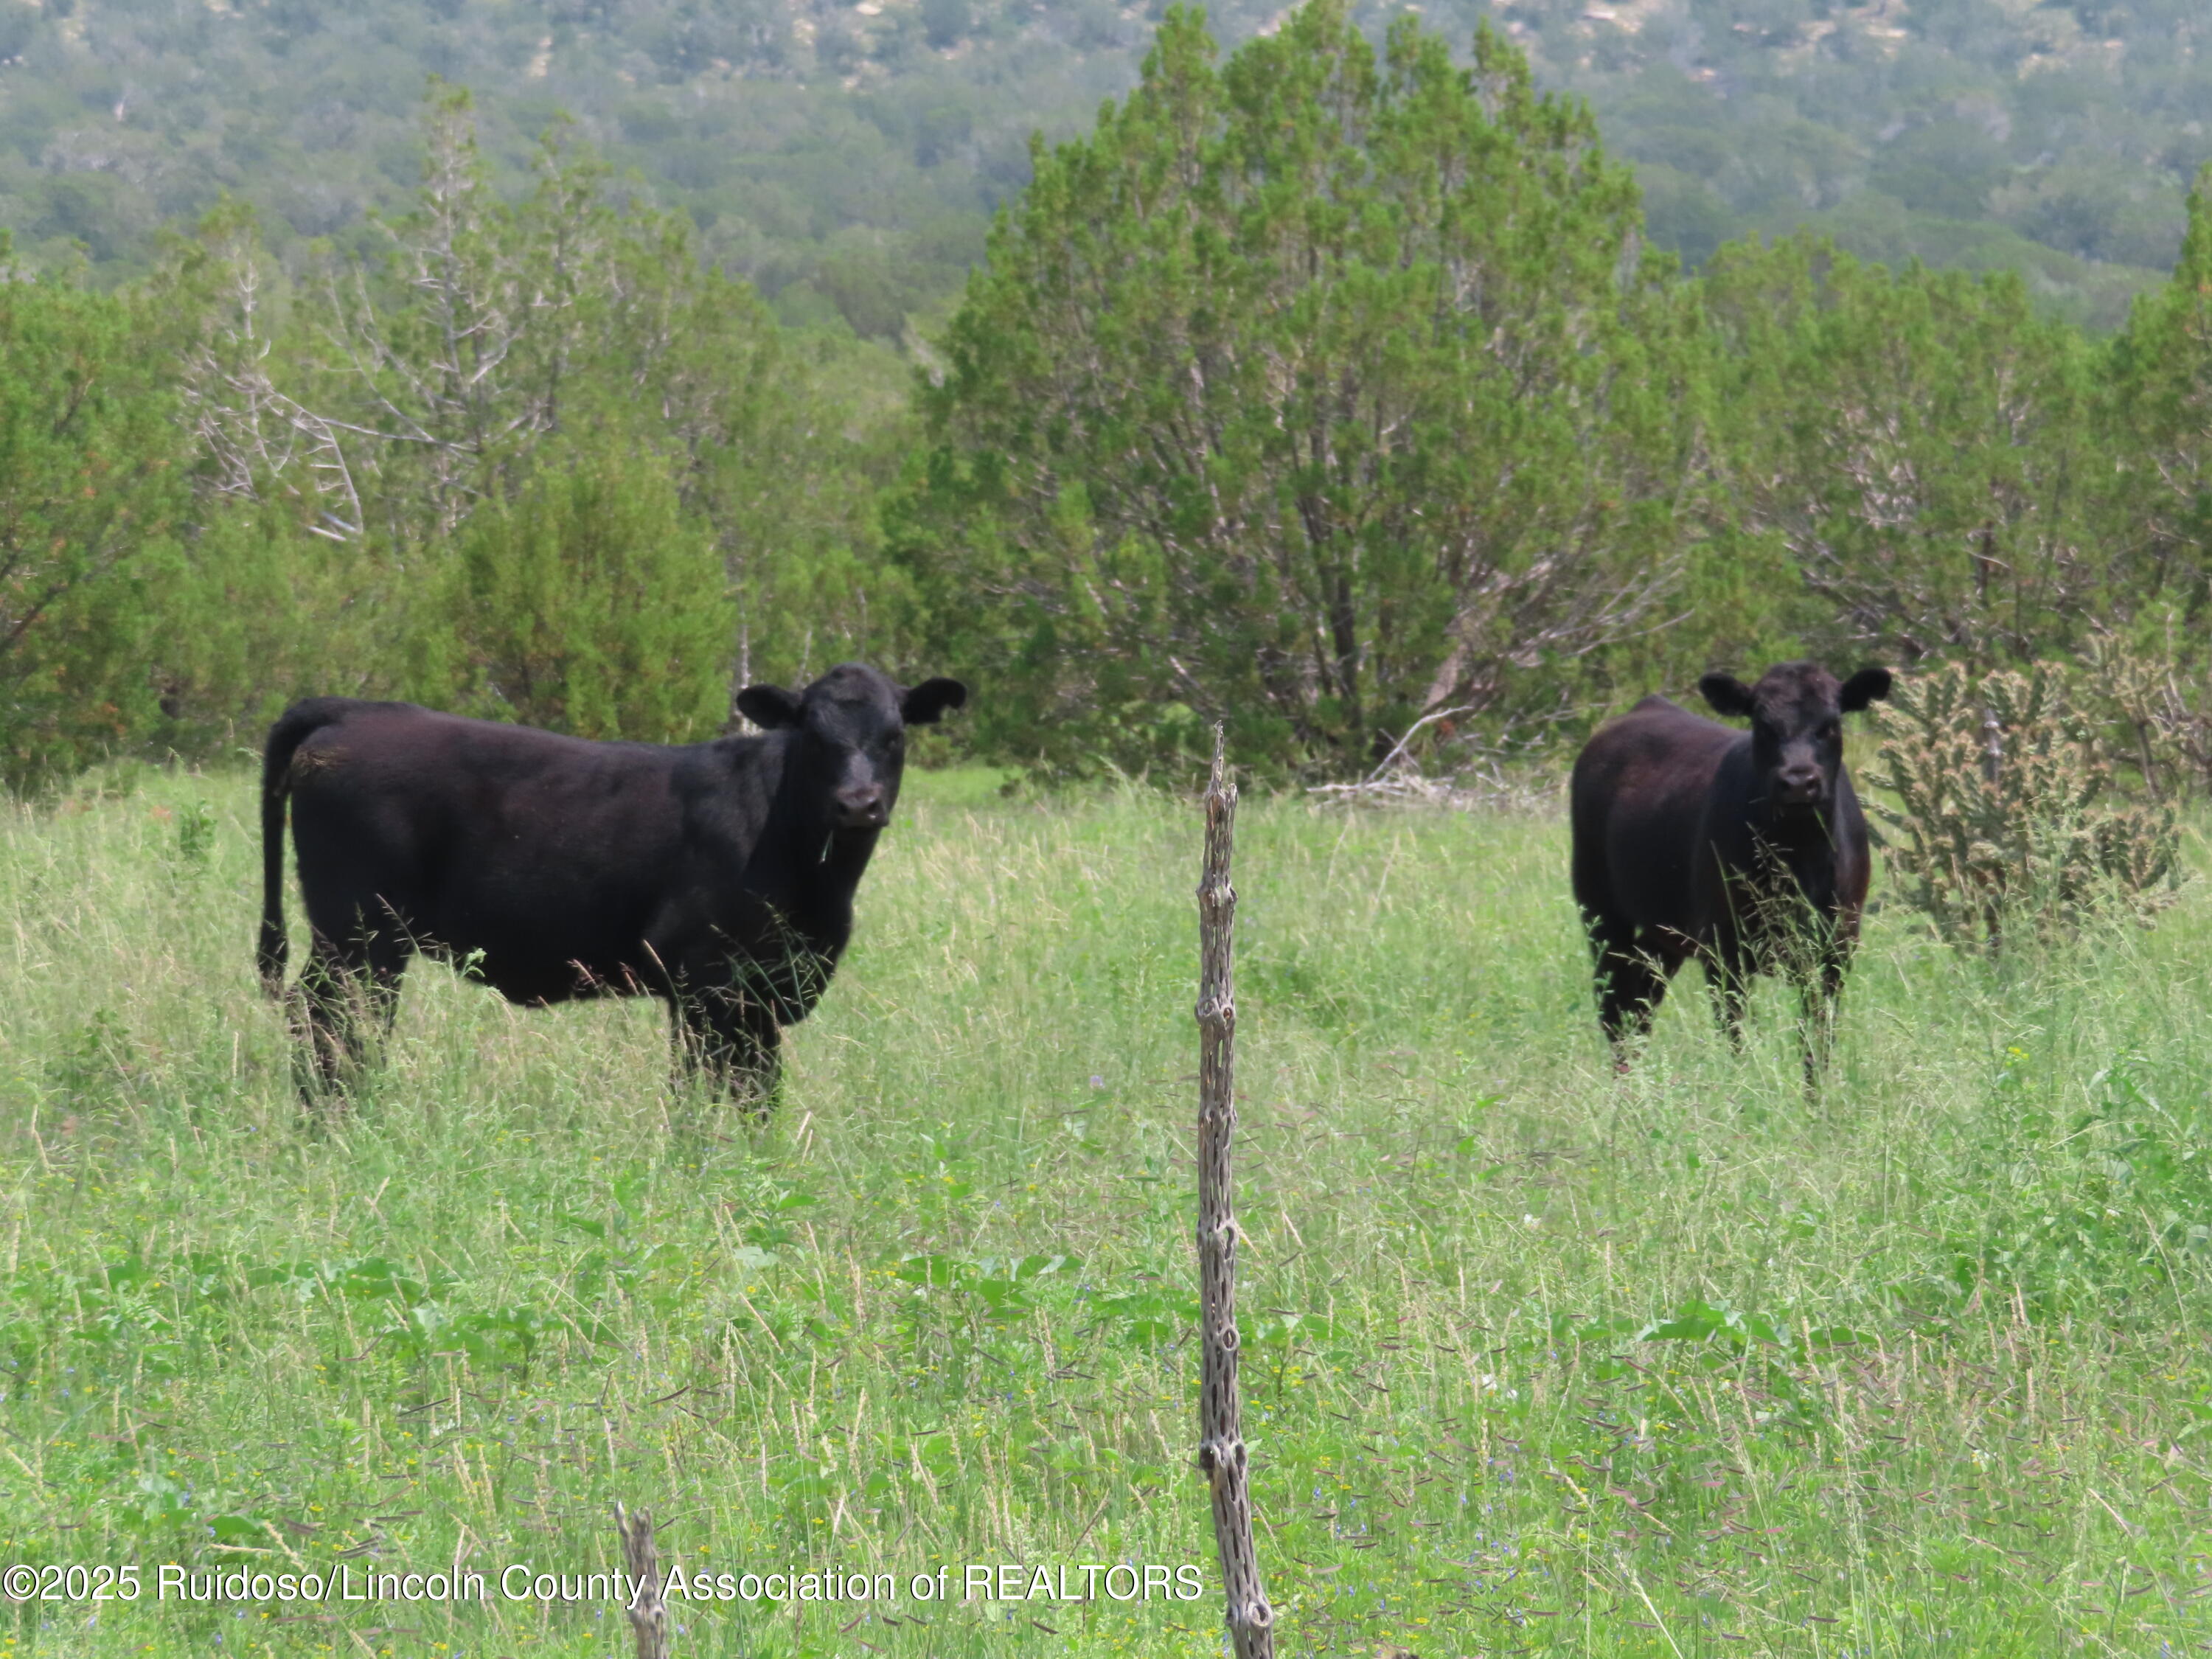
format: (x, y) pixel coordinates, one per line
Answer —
(1537, 1359)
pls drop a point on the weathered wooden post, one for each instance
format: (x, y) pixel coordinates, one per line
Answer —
(648, 1614)
(1221, 1452)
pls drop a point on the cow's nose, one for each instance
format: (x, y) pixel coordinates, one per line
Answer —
(1800, 783)
(860, 807)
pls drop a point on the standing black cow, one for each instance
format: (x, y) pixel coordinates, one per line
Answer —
(718, 876)
(1744, 849)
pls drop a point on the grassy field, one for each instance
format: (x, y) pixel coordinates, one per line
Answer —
(1537, 1359)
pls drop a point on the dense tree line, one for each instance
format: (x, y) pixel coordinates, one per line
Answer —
(1331, 390)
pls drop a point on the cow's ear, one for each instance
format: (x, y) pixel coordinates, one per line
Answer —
(769, 707)
(1867, 685)
(1727, 695)
(930, 699)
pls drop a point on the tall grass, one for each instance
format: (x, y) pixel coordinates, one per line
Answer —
(1538, 1358)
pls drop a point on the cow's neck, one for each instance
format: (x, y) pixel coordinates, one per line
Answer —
(811, 847)
(819, 865)
(841, 857)
(1803, 844)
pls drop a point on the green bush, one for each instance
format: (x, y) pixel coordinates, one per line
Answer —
(91, 490)
(253, 612)
(590, 605)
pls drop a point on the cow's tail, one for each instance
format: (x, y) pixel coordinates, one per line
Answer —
(292, 729)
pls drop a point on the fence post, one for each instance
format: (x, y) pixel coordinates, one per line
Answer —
(1221, 1451)
(648, 1614)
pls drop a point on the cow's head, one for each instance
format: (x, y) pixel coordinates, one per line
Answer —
(1797, 714)
(850, 727)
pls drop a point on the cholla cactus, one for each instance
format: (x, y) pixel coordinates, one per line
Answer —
(1998, 790)
(2157, 705)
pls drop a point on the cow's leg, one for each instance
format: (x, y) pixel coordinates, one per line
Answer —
(1630, 982)
(344, 990)
(1819, 993)
(1728, 972)
(735, 1041)
(317, 1013)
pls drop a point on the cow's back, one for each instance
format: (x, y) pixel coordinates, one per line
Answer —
(1638, 802)
(545, 853)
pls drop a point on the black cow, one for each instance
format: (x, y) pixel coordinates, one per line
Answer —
(717, 876)
(1744, 849)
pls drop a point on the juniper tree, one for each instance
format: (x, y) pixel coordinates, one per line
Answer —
(1314, 391)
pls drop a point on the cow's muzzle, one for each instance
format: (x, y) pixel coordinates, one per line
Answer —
(862, 806)
(1796, 787)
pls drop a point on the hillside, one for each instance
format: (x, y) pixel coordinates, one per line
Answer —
(2058, 140)
(847, 157)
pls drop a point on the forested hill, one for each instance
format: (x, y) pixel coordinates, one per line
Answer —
(845, 157)
(2055, 139)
